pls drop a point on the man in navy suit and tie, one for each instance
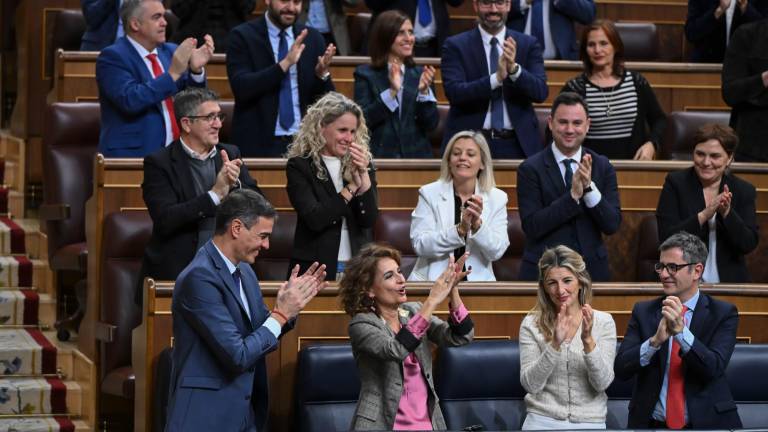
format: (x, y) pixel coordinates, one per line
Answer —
(551, 23)
(221, 327)
(137, 78)
(103, 25)
(492, 75)
(677, 348)
(276, 68)
(567, 194)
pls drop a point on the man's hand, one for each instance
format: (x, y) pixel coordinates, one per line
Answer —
(297, 291)
(582, 177)
(672, 312)
(181, 57)
(510, 54)
(324, 61)
(227, 176)
(294, 54)
(721, 8)
(201, 56)
(742, 5)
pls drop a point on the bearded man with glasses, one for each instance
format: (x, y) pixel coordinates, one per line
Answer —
(678, 347)
(185, 182)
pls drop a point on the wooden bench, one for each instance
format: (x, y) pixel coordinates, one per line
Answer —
(678, 86)
(497, 310)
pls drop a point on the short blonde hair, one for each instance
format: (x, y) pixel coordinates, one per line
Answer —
(485, 178)
(309, 141)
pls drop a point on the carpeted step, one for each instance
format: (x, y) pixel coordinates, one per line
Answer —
(43, 424)
(26, 351)
(39, 396)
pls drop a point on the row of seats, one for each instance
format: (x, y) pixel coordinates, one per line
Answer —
(641, 40)
(479, 385)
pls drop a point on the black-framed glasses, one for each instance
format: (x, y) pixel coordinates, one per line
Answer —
(672, 268)
(210, 117)
(488, 3)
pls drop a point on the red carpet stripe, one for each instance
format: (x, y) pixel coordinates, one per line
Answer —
(31, 307)
(49, 352)
(17, 234)
(2, 170)
(3, 200)
(25, 271)
(65, 424)
(58, 396)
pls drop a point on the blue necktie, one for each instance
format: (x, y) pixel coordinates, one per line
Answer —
(425, 14)
(568, 173)
(537, 21)
(497, 101)
(241, 291)
(285, 113)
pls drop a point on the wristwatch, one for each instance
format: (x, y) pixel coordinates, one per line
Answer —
(325, 76)
(588, 189)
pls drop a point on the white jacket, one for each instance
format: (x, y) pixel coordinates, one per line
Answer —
(434, 236)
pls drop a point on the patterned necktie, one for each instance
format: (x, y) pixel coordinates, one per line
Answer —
(568, 173)
(157, 71)
(537, 21)
(425, 14)
(676, 386)
(285, 113)
(497, 101)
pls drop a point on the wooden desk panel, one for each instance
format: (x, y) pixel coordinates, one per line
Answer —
(679, 87)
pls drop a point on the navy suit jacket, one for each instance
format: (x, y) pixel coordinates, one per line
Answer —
(707, 395)
(255, 79)
(550, 217)
(402, 133)
(466, 80)
(101, 18)
(707, 34)
(562, 14)
(219, 374)
(131, 99)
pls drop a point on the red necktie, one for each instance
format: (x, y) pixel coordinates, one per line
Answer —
(676, 386)
(157, 71)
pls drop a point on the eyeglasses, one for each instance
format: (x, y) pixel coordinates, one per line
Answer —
(210, 118)
(488, 3)
(672, 268)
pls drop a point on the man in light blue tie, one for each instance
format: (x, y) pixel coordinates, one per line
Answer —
(431, 23)
(551, 22)
(276, 68)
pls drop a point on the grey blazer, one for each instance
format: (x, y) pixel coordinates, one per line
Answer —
(379, 354)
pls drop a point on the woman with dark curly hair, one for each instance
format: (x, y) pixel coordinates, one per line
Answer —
(390, 339)
(622, 104)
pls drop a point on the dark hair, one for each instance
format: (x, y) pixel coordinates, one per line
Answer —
(359, 275)
(243, 204)
(187, 101)
(130, 10)
(694, 250)
(570, 99)
(382, 35)
(722, 133)
(609, 28)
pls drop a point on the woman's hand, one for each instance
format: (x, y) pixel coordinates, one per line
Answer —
(426, 79)
(461, 274)
(562, 327)
(360, 176)
(646, 152)
(470, 215)
(444, 283)
(395, 79)
(587, 319)
(709, 210)
(724, 201)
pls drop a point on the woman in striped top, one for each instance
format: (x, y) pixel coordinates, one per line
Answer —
(626, 119)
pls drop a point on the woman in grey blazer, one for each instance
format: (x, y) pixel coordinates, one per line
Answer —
(390, 339)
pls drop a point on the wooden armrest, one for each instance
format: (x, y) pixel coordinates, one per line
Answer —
(54, 212)
(105, 332)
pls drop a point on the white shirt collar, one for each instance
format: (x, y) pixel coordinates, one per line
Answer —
(487, 36)
(231, 267)
(195, 155)
(274, 30)
(140, 49)
(560, 157)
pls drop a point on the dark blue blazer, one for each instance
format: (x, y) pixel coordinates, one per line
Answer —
(131, 99)
(255, 80)
(101, 18)
(219, 375)
(707, 395)
(562, 14)
(466, 81)
(399, 134)
(550, 217)
(707, 34)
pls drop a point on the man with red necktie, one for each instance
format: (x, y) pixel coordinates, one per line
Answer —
(678, 347)
(138, 76)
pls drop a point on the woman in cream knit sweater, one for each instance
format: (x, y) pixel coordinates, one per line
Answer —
(566, 348)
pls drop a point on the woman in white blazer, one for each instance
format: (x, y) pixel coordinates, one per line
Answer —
(462, 211)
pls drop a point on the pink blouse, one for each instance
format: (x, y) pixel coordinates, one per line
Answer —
(412, 412)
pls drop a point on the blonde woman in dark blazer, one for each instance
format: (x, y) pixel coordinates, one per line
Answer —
(390, 339)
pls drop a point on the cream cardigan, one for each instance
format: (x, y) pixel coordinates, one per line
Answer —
(568, 384)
